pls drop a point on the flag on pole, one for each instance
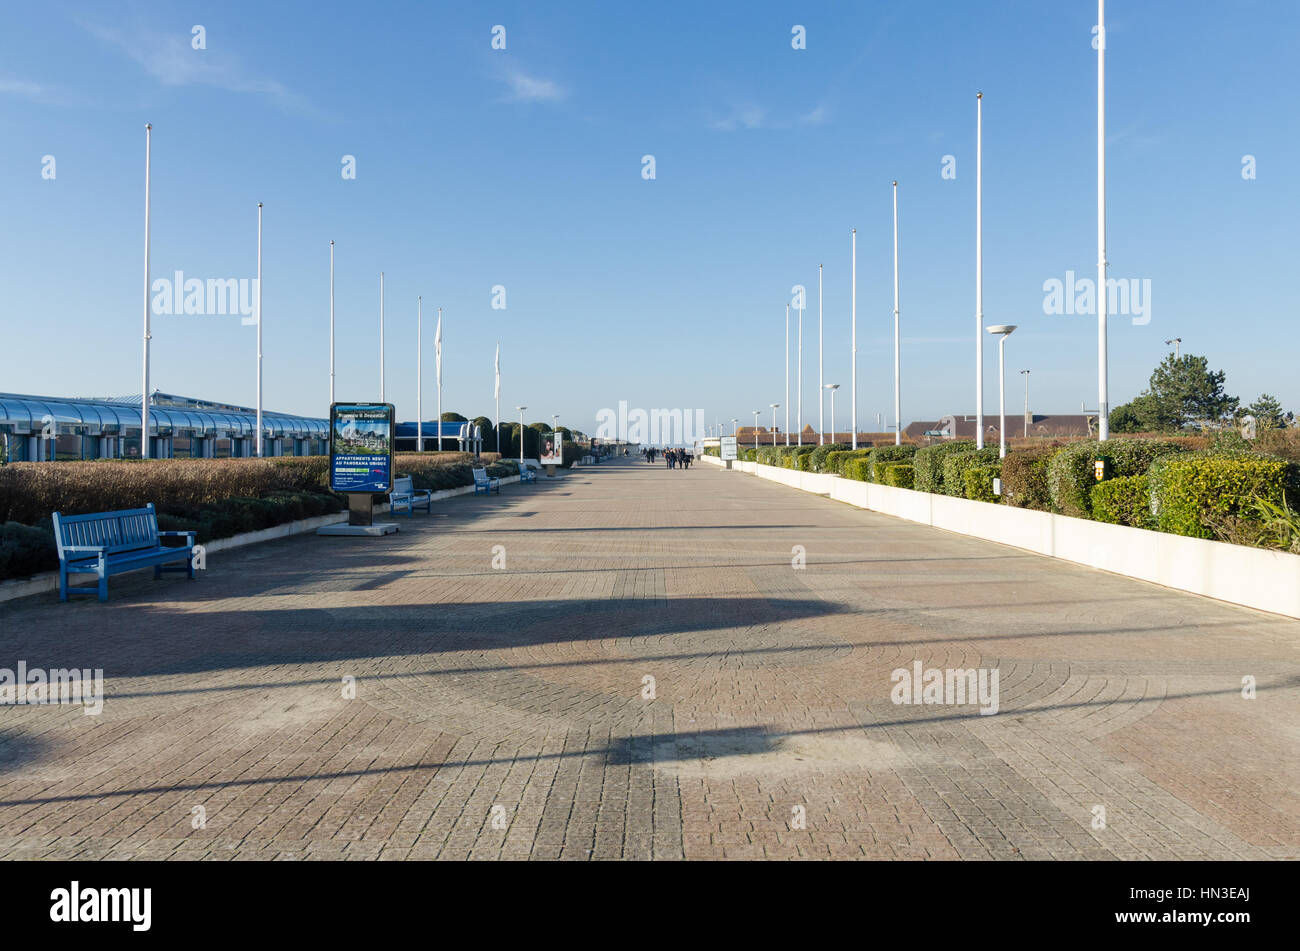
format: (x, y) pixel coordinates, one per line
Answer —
(497, 391)
(437, 347)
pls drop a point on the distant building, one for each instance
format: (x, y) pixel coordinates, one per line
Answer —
(39, 428)
(1065, 426)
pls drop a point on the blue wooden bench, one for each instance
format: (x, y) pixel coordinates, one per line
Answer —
(405, 497)
(485, 483)
(526, 474)
(109, 543)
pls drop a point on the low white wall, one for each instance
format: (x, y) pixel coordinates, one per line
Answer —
(1253, 577)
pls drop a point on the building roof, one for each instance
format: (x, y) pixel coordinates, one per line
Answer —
(121, 416)
(963, 427)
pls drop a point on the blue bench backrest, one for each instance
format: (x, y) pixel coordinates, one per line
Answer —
(480, 476)
(128, 530)
(403, 485)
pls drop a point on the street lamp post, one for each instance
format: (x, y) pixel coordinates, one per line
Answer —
(734, 421)
(1002, 331)
(775, 407)
(787, 379)
(755, 412)
(832, 387)
(898, 401)
(521, 435)
(1025, 374)
(1178, 343)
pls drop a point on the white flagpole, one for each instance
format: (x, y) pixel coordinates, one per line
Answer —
(381, 337)
(854, 308)
(798, 418)
(1103, 397)
(898, 421)
(821, 421)
(979, 270)
(259, 330)
(144, 393)
(437, 348)
(331, 323)
(787, 377)
(419, 374)
(497, 394)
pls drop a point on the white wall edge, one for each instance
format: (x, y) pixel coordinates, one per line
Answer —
(1251, 577)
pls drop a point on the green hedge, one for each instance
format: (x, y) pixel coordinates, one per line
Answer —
(820, 461)
(26, 550)
(836, 459)
(1190, 492)
(801, 458)
(1070, 474)
(928, 463)
(978, 480)
(1024, 479)
(856, 469)
(882, 456)
(899, 474)
(955, 465)
(1123, 501)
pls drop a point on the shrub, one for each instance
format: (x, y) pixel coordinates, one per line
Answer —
(1280, 442)
(928, 463)
(1070, 473)
(955, 465)
(837, 460)
(821, 455)
(856, 469)
(899, 474)
(978, 480)
(26, 550)
(1190, 494)
(801, 458)
(1024, 479)
(1123, 501)
(882, 456)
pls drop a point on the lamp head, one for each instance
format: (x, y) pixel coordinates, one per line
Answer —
(1002, 329)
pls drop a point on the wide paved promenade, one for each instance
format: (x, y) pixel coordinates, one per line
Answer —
(509, 711)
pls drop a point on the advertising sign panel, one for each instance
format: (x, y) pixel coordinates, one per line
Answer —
(551, 448)
(361, 447)
(728, 448)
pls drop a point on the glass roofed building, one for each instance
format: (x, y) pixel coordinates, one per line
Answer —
(38, 428)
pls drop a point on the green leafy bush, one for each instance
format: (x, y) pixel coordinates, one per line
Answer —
(955, 465)
(856, 469)
(978, 480)
(836, 460)
(1191, 493)
(1123, 501)
(801, 458)
(821, 456)
(882, 456)
(899, 474)
(928, 463)
(26, 550)
(1070, 473)
(1024, 478)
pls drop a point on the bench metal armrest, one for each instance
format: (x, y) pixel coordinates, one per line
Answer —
(177, 534)
(92, 549)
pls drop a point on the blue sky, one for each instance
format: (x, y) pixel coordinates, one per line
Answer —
(523, 168)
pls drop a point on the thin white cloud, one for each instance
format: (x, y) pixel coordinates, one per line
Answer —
(751, 117)
(525, 88)
(169, 58)
(26, 90)
(817, 116)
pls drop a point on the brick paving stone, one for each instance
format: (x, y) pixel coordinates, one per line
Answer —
(524, 695)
